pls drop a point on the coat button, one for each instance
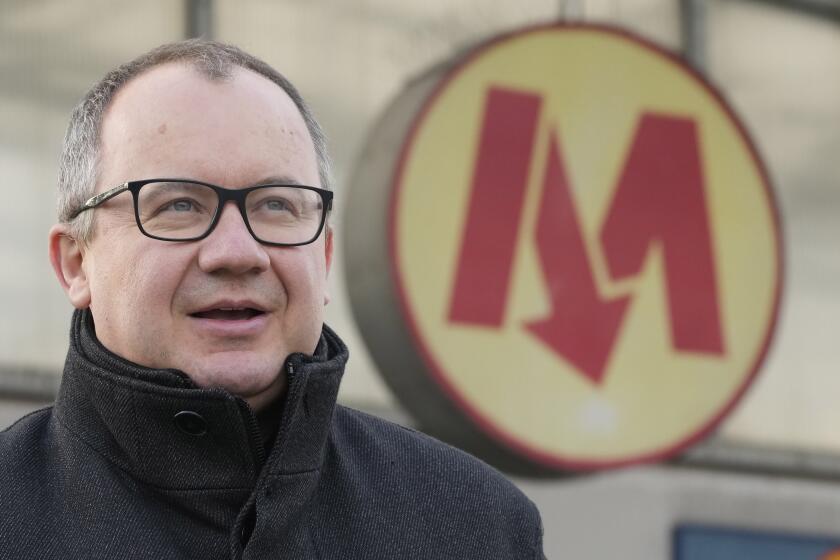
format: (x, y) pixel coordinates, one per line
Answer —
(191, 423)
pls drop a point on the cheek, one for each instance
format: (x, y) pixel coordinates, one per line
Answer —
(157, 277)
(139, 281)
(302, 274)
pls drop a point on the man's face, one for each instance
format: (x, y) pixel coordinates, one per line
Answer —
(163, 304)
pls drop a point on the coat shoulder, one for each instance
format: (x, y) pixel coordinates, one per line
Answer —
(411, 478)
(24, 438)
(400, 449)
(25, 468)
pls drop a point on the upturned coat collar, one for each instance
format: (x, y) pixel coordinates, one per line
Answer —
(127, 413)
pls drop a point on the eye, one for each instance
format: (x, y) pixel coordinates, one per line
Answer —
(277, 205)
(182, 205)
(277, 202)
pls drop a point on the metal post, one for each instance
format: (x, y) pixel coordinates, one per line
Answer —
(693, 31)
(571, 10)
(199, 18)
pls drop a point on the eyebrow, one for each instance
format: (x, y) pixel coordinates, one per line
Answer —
(277, 179)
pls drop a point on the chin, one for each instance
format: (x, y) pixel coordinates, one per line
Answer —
(245, 376)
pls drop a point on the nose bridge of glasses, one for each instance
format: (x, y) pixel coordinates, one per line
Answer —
(230, 245)
(232, 204)
(231, 197)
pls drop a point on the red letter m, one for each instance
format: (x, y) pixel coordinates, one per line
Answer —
(658, 202)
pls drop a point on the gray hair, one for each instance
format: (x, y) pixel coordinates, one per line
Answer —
(79, 161)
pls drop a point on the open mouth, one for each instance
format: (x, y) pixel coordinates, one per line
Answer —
(228, 314)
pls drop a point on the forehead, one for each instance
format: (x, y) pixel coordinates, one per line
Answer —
(172, 121)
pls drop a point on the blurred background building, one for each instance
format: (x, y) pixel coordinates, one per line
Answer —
(771, 470)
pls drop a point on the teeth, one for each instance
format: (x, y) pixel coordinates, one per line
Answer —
(231, 309)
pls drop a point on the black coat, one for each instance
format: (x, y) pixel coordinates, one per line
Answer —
(136, 463)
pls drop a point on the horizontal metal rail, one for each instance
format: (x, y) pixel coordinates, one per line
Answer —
(824, 9)
(28, 383)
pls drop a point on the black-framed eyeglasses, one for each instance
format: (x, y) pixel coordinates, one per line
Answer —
(186, 210)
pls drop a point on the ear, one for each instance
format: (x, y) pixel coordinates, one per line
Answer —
(328, 254)
(67, 256)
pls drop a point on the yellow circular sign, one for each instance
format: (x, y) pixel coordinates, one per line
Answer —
(585, 246)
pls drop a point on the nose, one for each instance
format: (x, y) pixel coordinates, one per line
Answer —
(231, 248)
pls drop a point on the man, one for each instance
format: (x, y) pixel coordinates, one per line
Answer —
(197, 415)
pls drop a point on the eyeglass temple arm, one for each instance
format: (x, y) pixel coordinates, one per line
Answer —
(98, 199)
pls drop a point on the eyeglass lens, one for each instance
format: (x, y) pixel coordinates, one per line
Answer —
(180, 210)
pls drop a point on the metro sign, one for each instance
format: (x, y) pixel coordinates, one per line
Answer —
(584, 251)
(657, 200)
